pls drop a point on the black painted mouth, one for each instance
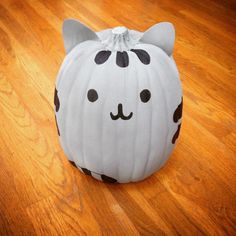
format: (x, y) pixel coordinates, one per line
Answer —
(120, 114)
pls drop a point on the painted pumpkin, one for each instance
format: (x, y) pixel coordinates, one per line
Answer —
(118, 100)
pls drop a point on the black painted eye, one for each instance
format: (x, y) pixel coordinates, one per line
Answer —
(92, 95)
(145, 95)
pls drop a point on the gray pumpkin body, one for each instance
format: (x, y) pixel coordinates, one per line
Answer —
(93, 133)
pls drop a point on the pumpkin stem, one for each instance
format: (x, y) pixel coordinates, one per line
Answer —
(119, 39)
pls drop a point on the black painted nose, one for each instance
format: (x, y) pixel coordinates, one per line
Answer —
(120, 114)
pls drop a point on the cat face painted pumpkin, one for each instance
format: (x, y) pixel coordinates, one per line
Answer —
(118, 100)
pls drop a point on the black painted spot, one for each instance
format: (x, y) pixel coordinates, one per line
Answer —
(72, 163)
(58, 131)
(86, 171)
(142, 55)
(108, 179)
(102, 57)
(178, 112)
(56, 100)
(176, 135)
(92, 95)
(145, 95)
(122, 59)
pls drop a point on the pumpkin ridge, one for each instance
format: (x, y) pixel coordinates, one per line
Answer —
(63, 119)
(125, 95)
(62, 72)
(150, 127)
(102, 109)
(124, 79)
(67, 63)
(102, 129)
(66, 109)
(167, 115)
(83, 113)
(135, 127)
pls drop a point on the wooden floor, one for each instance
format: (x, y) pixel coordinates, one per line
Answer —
(42, 194)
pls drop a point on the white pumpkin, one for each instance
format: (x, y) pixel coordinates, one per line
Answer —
(118, 100)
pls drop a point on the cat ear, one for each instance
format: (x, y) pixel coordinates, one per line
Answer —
(74, 33)
(161, 35)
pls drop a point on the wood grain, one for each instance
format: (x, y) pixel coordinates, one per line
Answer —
(42, 194)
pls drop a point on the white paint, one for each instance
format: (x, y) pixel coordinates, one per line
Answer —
(127, 150)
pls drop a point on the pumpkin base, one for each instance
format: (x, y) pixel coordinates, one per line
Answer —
(101, 177)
